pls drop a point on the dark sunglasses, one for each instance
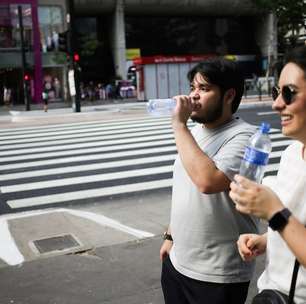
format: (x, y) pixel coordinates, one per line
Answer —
(287, 92)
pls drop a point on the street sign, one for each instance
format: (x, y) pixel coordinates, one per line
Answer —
(71, 83)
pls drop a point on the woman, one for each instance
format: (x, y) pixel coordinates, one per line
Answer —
(285, 208)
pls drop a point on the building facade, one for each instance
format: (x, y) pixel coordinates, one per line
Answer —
(41, 23)
(151, 27)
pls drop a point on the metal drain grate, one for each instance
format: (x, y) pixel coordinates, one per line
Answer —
(56, 243)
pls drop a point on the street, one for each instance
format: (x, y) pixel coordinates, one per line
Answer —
(95, 197)
(89, 162)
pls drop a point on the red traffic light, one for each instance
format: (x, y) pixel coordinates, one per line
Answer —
(76, 57)
(26, 77)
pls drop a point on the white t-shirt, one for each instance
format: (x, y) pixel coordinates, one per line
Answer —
(205, 227)
(290, 186)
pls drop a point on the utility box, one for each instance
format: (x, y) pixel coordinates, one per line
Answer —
(164, 76)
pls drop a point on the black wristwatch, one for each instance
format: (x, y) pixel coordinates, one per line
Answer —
(280, 219)
(167, 236)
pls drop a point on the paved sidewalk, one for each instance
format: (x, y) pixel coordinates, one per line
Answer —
(127, 273)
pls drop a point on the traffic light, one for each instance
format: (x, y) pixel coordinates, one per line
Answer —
(63, 42)
(76, 57)
(26, 77)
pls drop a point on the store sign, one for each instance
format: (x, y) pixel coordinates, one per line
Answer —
(130, 54)
(171, 59)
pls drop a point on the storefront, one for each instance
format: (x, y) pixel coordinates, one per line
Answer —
(11, 68)
(44, 64)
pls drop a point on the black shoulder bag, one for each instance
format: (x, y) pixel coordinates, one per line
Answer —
(273, 296)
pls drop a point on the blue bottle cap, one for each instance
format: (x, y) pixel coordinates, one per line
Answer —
(265, 127)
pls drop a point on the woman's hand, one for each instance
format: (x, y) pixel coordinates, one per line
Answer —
(251, 245)
(253, 198)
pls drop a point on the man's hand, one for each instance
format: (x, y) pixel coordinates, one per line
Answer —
(183, 110)
(251, 245)
(165, 249)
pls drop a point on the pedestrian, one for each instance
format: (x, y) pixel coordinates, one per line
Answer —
(285, 207)
(109, 91)
(200, 260)
(57, 87)
(47, 87)
(7, 95)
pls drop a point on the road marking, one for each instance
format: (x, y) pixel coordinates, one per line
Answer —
(266, 113)
(86, 179)
(9, 251)
(88, 150)
(107, 165)
(89, 134)
(76, 195)
(96, 140)
(81, 129)
(75, 159)
(282, 143)
(76, 138)
(85, 144)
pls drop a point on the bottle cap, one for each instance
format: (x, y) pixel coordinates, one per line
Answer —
(265, 127)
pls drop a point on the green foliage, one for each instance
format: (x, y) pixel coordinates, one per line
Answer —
(291, 16)
(59, 58)
(88, 44)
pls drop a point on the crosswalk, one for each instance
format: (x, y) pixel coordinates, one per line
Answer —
(74, 163)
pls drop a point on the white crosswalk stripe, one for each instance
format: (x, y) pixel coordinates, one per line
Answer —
(77, 162)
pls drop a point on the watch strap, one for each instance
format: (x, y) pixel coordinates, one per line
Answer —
(280, 219)
(167, 236)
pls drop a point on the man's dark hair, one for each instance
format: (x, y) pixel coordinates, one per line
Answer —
(223, 73)
(298, 56)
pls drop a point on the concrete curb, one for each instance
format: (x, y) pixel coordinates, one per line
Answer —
(98, 110)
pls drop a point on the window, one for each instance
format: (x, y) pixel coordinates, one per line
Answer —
(50, 24)
(10, 27)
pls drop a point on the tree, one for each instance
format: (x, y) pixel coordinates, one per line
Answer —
(291, 18)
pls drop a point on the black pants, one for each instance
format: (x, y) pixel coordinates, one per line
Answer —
(179, 289)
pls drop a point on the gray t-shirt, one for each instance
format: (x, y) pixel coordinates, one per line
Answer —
(205, 227)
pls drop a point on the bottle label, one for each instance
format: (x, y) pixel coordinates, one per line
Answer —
(255, 157)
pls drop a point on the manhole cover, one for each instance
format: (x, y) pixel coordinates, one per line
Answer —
(56, 243)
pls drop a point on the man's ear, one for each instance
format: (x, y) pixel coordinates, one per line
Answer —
(229, 96)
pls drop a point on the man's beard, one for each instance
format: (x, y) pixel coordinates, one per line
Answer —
(211, 115)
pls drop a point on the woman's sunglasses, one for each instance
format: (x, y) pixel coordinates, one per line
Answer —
(287, 92)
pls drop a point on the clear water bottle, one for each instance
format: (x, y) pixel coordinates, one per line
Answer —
(256, 154)
(160, 107)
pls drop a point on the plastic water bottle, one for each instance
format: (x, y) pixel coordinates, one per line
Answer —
(256, 154)
(160, 107)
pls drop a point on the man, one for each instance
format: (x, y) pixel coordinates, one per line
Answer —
(201, 263)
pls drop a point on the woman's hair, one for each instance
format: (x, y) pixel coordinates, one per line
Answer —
(297, 56)
(223, 73)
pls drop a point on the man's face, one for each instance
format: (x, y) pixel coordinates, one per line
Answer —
(293, 116)
(210, 99)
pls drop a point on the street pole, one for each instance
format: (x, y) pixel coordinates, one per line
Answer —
(23, 61)
(72, 49)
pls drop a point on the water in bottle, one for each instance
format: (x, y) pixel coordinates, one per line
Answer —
(160, 107)
(256, 154)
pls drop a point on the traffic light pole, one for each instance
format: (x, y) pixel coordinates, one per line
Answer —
(72, 48)
(23, 62)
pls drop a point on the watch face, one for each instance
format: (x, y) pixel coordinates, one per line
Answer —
(280, 219)
(167, 236)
